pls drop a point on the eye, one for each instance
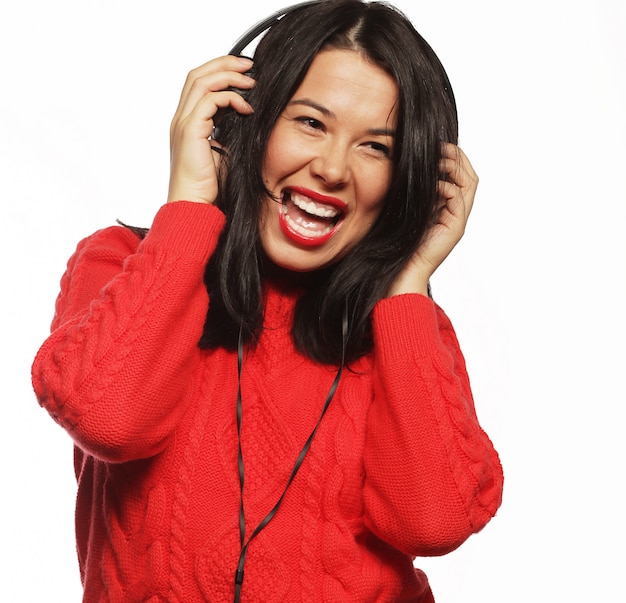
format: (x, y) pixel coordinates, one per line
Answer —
(310, 123)
(379, 148)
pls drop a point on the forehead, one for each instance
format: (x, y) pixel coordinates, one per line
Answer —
(347, 84)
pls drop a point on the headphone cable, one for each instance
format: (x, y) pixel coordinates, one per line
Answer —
(239, 574)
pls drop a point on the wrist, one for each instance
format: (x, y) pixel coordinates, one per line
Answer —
(414, 278)
(405, 284)
(178, 193)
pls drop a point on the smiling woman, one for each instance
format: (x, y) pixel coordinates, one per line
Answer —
(217, 435)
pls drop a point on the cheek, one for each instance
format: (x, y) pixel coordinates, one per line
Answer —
(285, 155)
(370, 219)
(277, 158)
(374, 187)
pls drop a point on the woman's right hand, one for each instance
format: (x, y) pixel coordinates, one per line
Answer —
(193, 173)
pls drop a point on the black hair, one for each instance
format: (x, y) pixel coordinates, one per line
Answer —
(427, 116)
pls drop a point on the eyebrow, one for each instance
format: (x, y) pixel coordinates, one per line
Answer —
(307, 102)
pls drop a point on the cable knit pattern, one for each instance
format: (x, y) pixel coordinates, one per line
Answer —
(311, 515)
(399, 467)
(184, 484)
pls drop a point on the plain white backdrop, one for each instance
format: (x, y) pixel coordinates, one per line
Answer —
(536, 289)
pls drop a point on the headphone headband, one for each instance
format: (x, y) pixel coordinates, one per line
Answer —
(257, 29)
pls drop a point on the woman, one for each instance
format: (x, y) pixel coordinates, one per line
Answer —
(305, 429)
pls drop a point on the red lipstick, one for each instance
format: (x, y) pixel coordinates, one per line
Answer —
(308, 218)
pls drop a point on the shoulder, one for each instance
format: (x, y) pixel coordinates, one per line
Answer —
(106, 246)
(113, 241)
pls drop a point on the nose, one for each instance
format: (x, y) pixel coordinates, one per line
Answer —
(332, 164)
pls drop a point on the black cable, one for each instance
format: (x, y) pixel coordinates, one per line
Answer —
(239, 574)
(257, 29)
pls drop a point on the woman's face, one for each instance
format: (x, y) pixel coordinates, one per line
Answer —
(328, 162)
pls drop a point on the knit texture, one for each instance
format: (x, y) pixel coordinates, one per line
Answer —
(399, 468)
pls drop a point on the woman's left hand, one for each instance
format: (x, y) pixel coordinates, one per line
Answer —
(456, 197)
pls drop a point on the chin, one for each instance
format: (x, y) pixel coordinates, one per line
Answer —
(289, 264)
(289, 258)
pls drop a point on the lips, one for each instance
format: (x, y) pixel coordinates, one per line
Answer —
(310, 219)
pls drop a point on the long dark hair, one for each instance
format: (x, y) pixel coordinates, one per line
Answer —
(427, 116)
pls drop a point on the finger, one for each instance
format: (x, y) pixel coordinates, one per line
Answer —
(458, 169)
(455, 199)
(199, 118)
(453, 151)
(199, 122)
(451, 170)
(227, 63)
(446, 190)
(218, 74)
(216, 83)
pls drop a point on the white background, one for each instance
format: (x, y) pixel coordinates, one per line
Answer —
(536, 289)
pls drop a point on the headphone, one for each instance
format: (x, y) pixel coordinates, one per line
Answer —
(222, 117)
(257, 29)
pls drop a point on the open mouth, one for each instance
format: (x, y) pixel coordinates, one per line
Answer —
(310, 219)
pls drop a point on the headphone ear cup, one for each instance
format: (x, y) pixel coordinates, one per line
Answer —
(224, 118)
(222, 124)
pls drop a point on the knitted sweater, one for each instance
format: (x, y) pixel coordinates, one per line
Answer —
(398, 468)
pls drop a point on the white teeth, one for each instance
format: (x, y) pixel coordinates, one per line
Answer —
(305, 231)
(311, 207)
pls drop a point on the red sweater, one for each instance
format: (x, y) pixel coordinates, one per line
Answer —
(399, 467)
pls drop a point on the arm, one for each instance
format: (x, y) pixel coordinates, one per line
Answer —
(114, 371)
(194, 157)
(432, 476)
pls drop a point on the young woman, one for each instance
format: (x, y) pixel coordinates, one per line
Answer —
(266, 403)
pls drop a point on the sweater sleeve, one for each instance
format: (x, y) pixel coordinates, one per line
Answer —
(433, 476)
(115, 370)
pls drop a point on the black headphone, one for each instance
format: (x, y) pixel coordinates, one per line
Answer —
(222, 117)
(257, 29)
